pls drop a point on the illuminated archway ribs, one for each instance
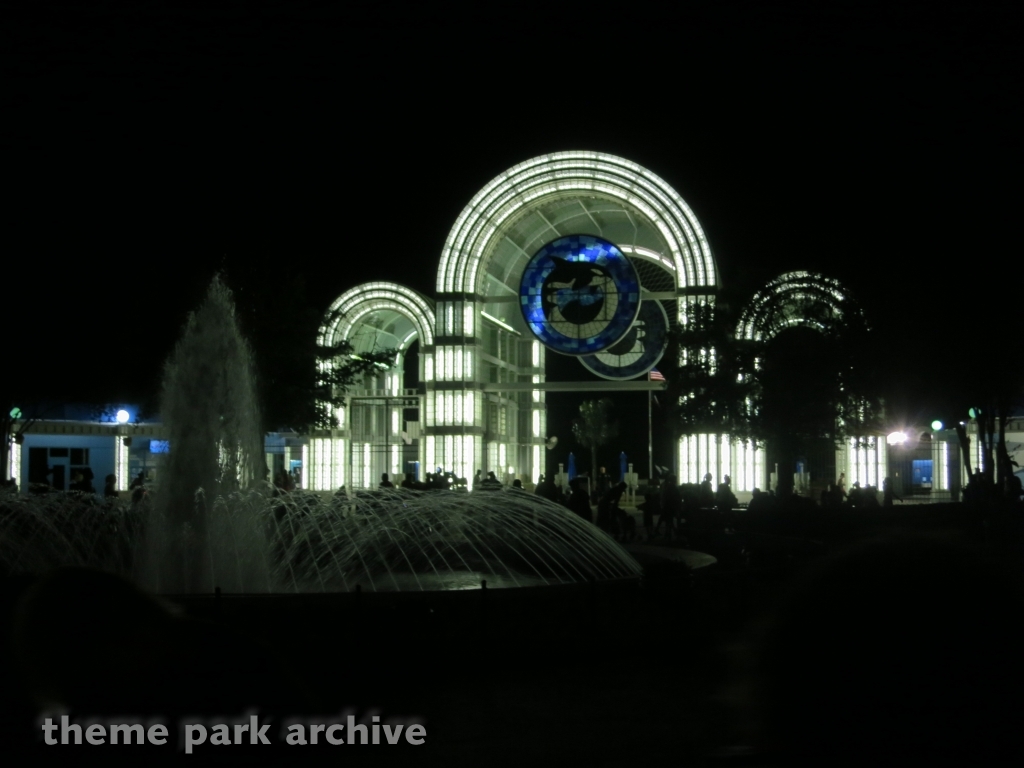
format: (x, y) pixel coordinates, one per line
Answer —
(489, 214)
(794, 299)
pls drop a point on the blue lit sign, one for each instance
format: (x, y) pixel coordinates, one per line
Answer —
(579, 294)
(159, 446)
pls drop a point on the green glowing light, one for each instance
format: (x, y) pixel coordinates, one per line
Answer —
(973, 413)
(15, 412)
(936, 425)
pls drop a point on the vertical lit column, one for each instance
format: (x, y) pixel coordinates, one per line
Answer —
(871, 457)
(304, 469)
(943, 464)
(367, 468)
(882, 467)
(759, 469)
(314, 455)
(340, 460)
(431, 453)
(120, 462)
(693, 463)
(725, 457)
(749, 474)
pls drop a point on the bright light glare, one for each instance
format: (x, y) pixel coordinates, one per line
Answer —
(936, 425)
(896, 438)
(122, 416)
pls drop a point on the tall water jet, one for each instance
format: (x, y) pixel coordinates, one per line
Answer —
(209, 410)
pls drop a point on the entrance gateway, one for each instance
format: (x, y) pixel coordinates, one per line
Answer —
(579, 253)
(481, 398)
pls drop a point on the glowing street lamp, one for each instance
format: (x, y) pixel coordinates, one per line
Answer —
(122, 416)
(937, 425)
(896, 438)
(15, 412)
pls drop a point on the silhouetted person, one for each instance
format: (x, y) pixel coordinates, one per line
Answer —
(546, 489)
(110, 487)
(841, 486)
(517, 483)
(578, 501)
(759, 502)
(408, 482)
(490, 483)
(86, 482)
(651, 506)
(707, 495)
(478, 478)
(888, 492)
(725, 499)
(385, 481)
(856, 495)
(138, 482)
(671, 506)
(608, 507)
(604, 482)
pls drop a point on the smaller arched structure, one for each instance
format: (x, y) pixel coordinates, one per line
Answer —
(811, 300)
(363, 314)
(794, 299)
(372, 435)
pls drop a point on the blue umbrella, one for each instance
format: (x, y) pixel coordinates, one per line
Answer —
(622, 466)
(572, 466)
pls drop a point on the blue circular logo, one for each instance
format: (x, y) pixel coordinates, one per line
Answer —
(579, 294)
(636, 352)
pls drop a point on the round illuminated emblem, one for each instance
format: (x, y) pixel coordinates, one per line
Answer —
(636, 352)
(579, 294)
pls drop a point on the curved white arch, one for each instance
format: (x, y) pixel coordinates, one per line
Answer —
(563, 173)
(784, 301)
(355, 303)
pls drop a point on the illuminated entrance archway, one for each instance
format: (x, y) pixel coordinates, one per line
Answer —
(810, 300)
(485, 399)
(372, 435)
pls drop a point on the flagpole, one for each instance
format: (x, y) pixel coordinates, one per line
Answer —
(650, 440)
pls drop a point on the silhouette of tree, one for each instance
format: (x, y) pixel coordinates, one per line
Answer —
(301, 382)
(711, 386)
(594, 428)
(798, 368)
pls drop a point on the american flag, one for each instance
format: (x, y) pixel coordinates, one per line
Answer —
(655, 375)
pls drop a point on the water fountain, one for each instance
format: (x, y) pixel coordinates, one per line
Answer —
(214, 523)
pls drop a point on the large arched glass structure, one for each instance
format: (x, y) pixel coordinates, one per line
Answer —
(480, 408)
(482, 372)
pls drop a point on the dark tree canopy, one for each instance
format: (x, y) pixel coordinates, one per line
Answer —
(594, 428)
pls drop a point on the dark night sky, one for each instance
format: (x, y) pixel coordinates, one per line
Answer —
(144, 150)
